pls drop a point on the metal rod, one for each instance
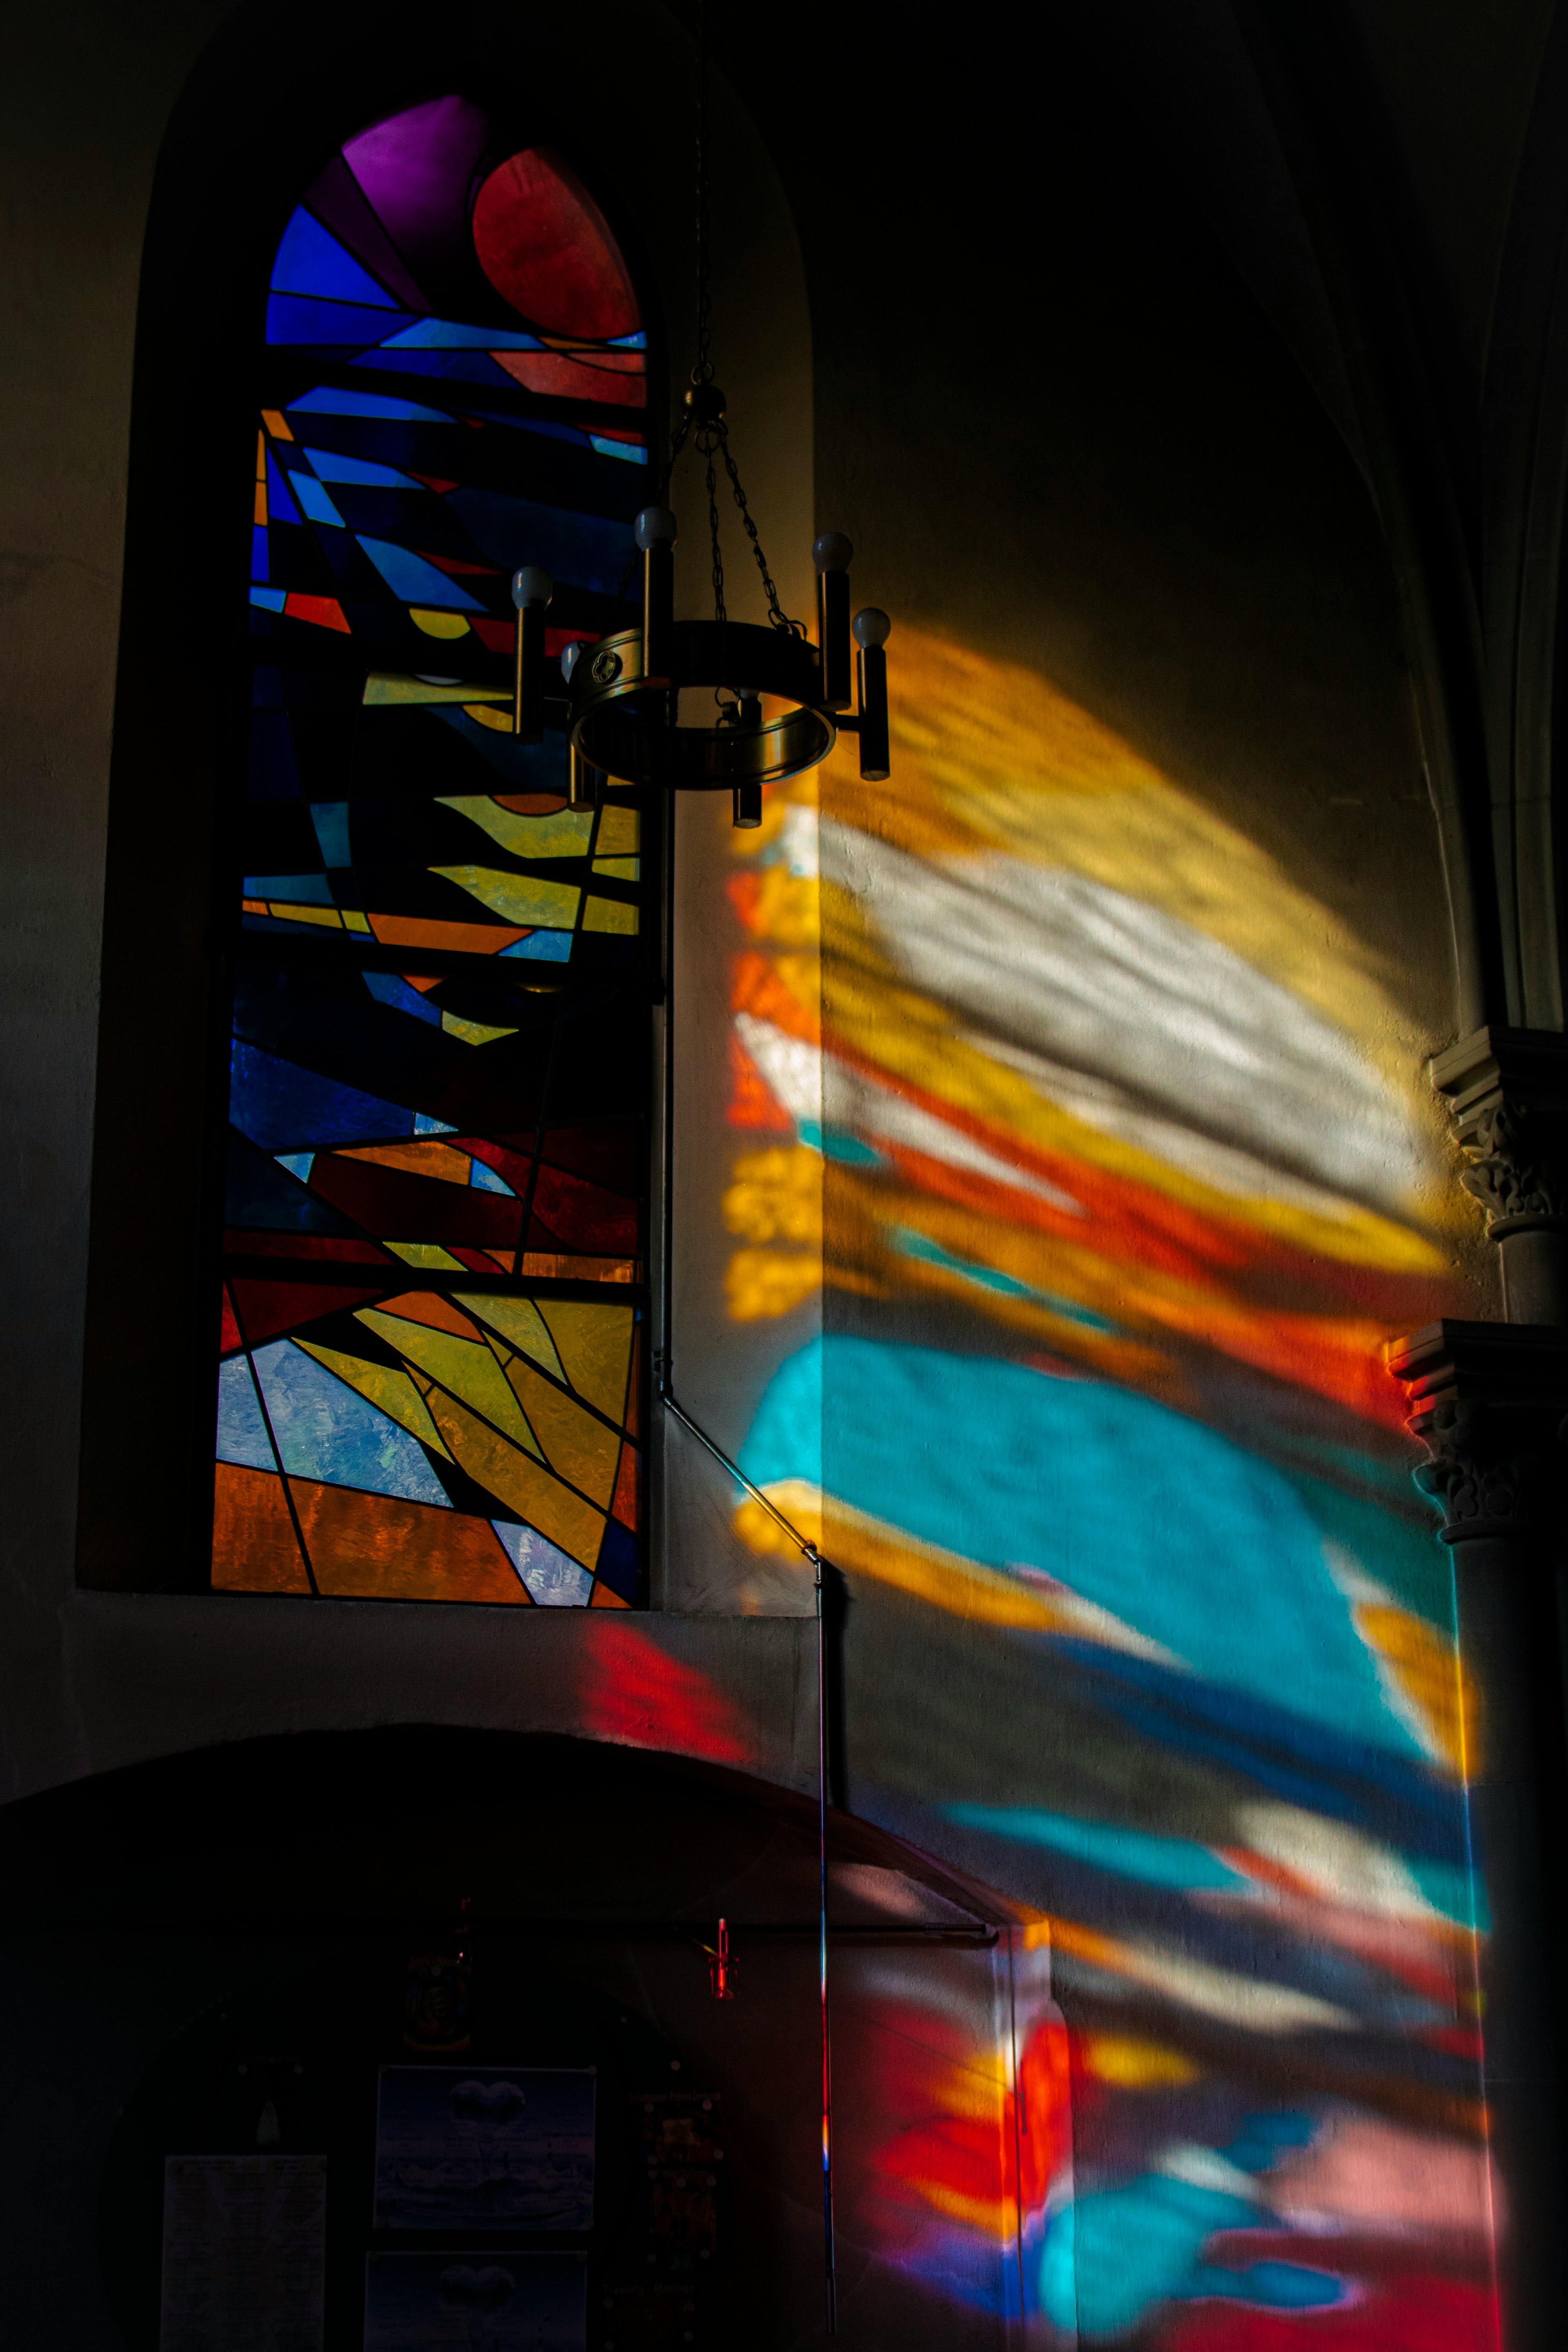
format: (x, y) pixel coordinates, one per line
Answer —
(833, 636)
(823, 1967)
(874, 715)
(1017, 2128)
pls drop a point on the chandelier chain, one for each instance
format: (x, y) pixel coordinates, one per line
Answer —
(706, 443)
(702, 371)
(777, 617)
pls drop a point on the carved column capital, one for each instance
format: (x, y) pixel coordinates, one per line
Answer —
(1507, 1092)
(1489, 1401)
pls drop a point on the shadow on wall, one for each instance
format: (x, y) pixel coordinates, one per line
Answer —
(1107, 1143)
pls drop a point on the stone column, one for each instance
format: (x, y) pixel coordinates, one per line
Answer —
(1488, 1400)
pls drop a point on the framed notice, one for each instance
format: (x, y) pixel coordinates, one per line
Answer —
(475, 2303)
(493, 2147)
(243, 2254)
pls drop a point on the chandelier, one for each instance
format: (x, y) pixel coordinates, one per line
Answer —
(706, 706)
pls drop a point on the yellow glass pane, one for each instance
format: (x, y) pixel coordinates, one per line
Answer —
(580, 1447)
(616, 869)
(327, 916)
(353, 921)
(609, 915)
(595, 1344)
(437, 625)
(385, 1386)
(620, 829)
(472, 1032)
(425, 1254)
(518, 1320)
(487, 715)
(385, 685)
(520, 1481)
(517, 897)
(464, 1366)
(563, 835)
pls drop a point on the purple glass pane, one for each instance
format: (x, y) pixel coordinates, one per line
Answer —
(416, 169)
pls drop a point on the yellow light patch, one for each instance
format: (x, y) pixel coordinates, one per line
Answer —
(1134, 2066)
(437, 625)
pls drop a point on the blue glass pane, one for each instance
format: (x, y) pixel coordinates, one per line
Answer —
(273, 774)
(445, 335)
(311, 262)
(527, 767)
(325, 402)
(418, 583)
(542, 947)
(283, 1107)
(487, 1181)
(458, 367)
(259, 1194)
(617, 1563)
(333, 467)
(296, 318)
(544, 425)
(315, 501)
(242, 1432)
(304, 890)
(327, 1430)
(390, 990)
(258, 552)
(554, 1581)
(279, 505)
(330, 819)
(637, 342)
(271, 598)
(586, 550)
(629, 450)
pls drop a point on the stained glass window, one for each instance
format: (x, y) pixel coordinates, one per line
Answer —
(432, 1292)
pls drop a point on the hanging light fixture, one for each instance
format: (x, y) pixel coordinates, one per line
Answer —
(623, 699)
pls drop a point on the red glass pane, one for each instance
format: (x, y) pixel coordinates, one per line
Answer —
(545, 248)
(415, 1208)
(266, 1308)
(581, 1214)
(608, 1154)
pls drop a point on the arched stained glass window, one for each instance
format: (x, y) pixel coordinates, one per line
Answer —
(432, 1278)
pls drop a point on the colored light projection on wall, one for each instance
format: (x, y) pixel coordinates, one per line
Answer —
(433, 1309)
(1106, 1141)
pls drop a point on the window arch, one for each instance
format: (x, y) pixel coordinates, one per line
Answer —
(435, 1178)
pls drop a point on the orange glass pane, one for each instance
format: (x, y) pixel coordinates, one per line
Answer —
(254, 1546)
(377, 1547)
